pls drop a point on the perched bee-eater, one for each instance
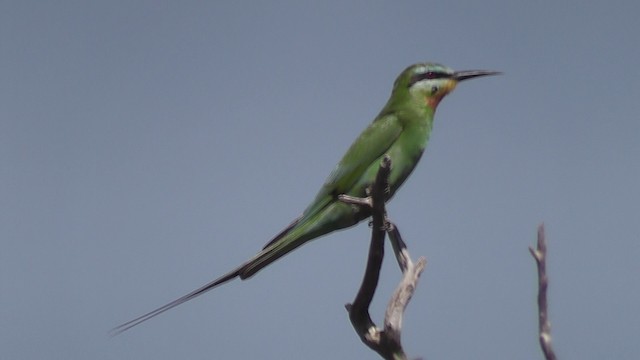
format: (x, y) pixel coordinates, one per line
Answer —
(401, 130)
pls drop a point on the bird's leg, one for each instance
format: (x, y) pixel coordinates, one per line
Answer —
(358, 201)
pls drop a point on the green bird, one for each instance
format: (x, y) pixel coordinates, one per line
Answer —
(401, 130)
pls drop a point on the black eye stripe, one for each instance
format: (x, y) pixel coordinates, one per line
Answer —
(429, 75)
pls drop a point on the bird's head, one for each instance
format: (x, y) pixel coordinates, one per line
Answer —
(428, 83)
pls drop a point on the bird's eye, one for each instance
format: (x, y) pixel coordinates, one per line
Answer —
(434, 89)
(429, 75)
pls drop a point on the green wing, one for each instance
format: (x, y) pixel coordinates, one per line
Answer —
(372, 143)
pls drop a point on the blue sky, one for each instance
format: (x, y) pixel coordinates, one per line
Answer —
(147, 147)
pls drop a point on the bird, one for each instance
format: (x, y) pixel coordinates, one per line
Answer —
(400, 131)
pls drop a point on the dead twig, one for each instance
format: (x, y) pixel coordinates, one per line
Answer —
(544, 326)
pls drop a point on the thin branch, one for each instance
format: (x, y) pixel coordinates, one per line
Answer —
(401, 297)
(398, 246)
(540, 255)
(359, 309)
(386, 342)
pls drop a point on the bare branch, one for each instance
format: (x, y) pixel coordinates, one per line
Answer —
(359, 309)
(540, 255)
(386, 342)
(401, 297)
(404, 291)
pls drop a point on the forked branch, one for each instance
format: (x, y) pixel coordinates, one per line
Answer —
(386, 341)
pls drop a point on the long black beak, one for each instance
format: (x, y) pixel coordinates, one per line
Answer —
(470, 74)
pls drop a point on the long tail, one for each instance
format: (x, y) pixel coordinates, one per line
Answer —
(203, 289)
(270, 253)
(297, 233)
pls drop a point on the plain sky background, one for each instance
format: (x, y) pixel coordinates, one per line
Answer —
(147, 147)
